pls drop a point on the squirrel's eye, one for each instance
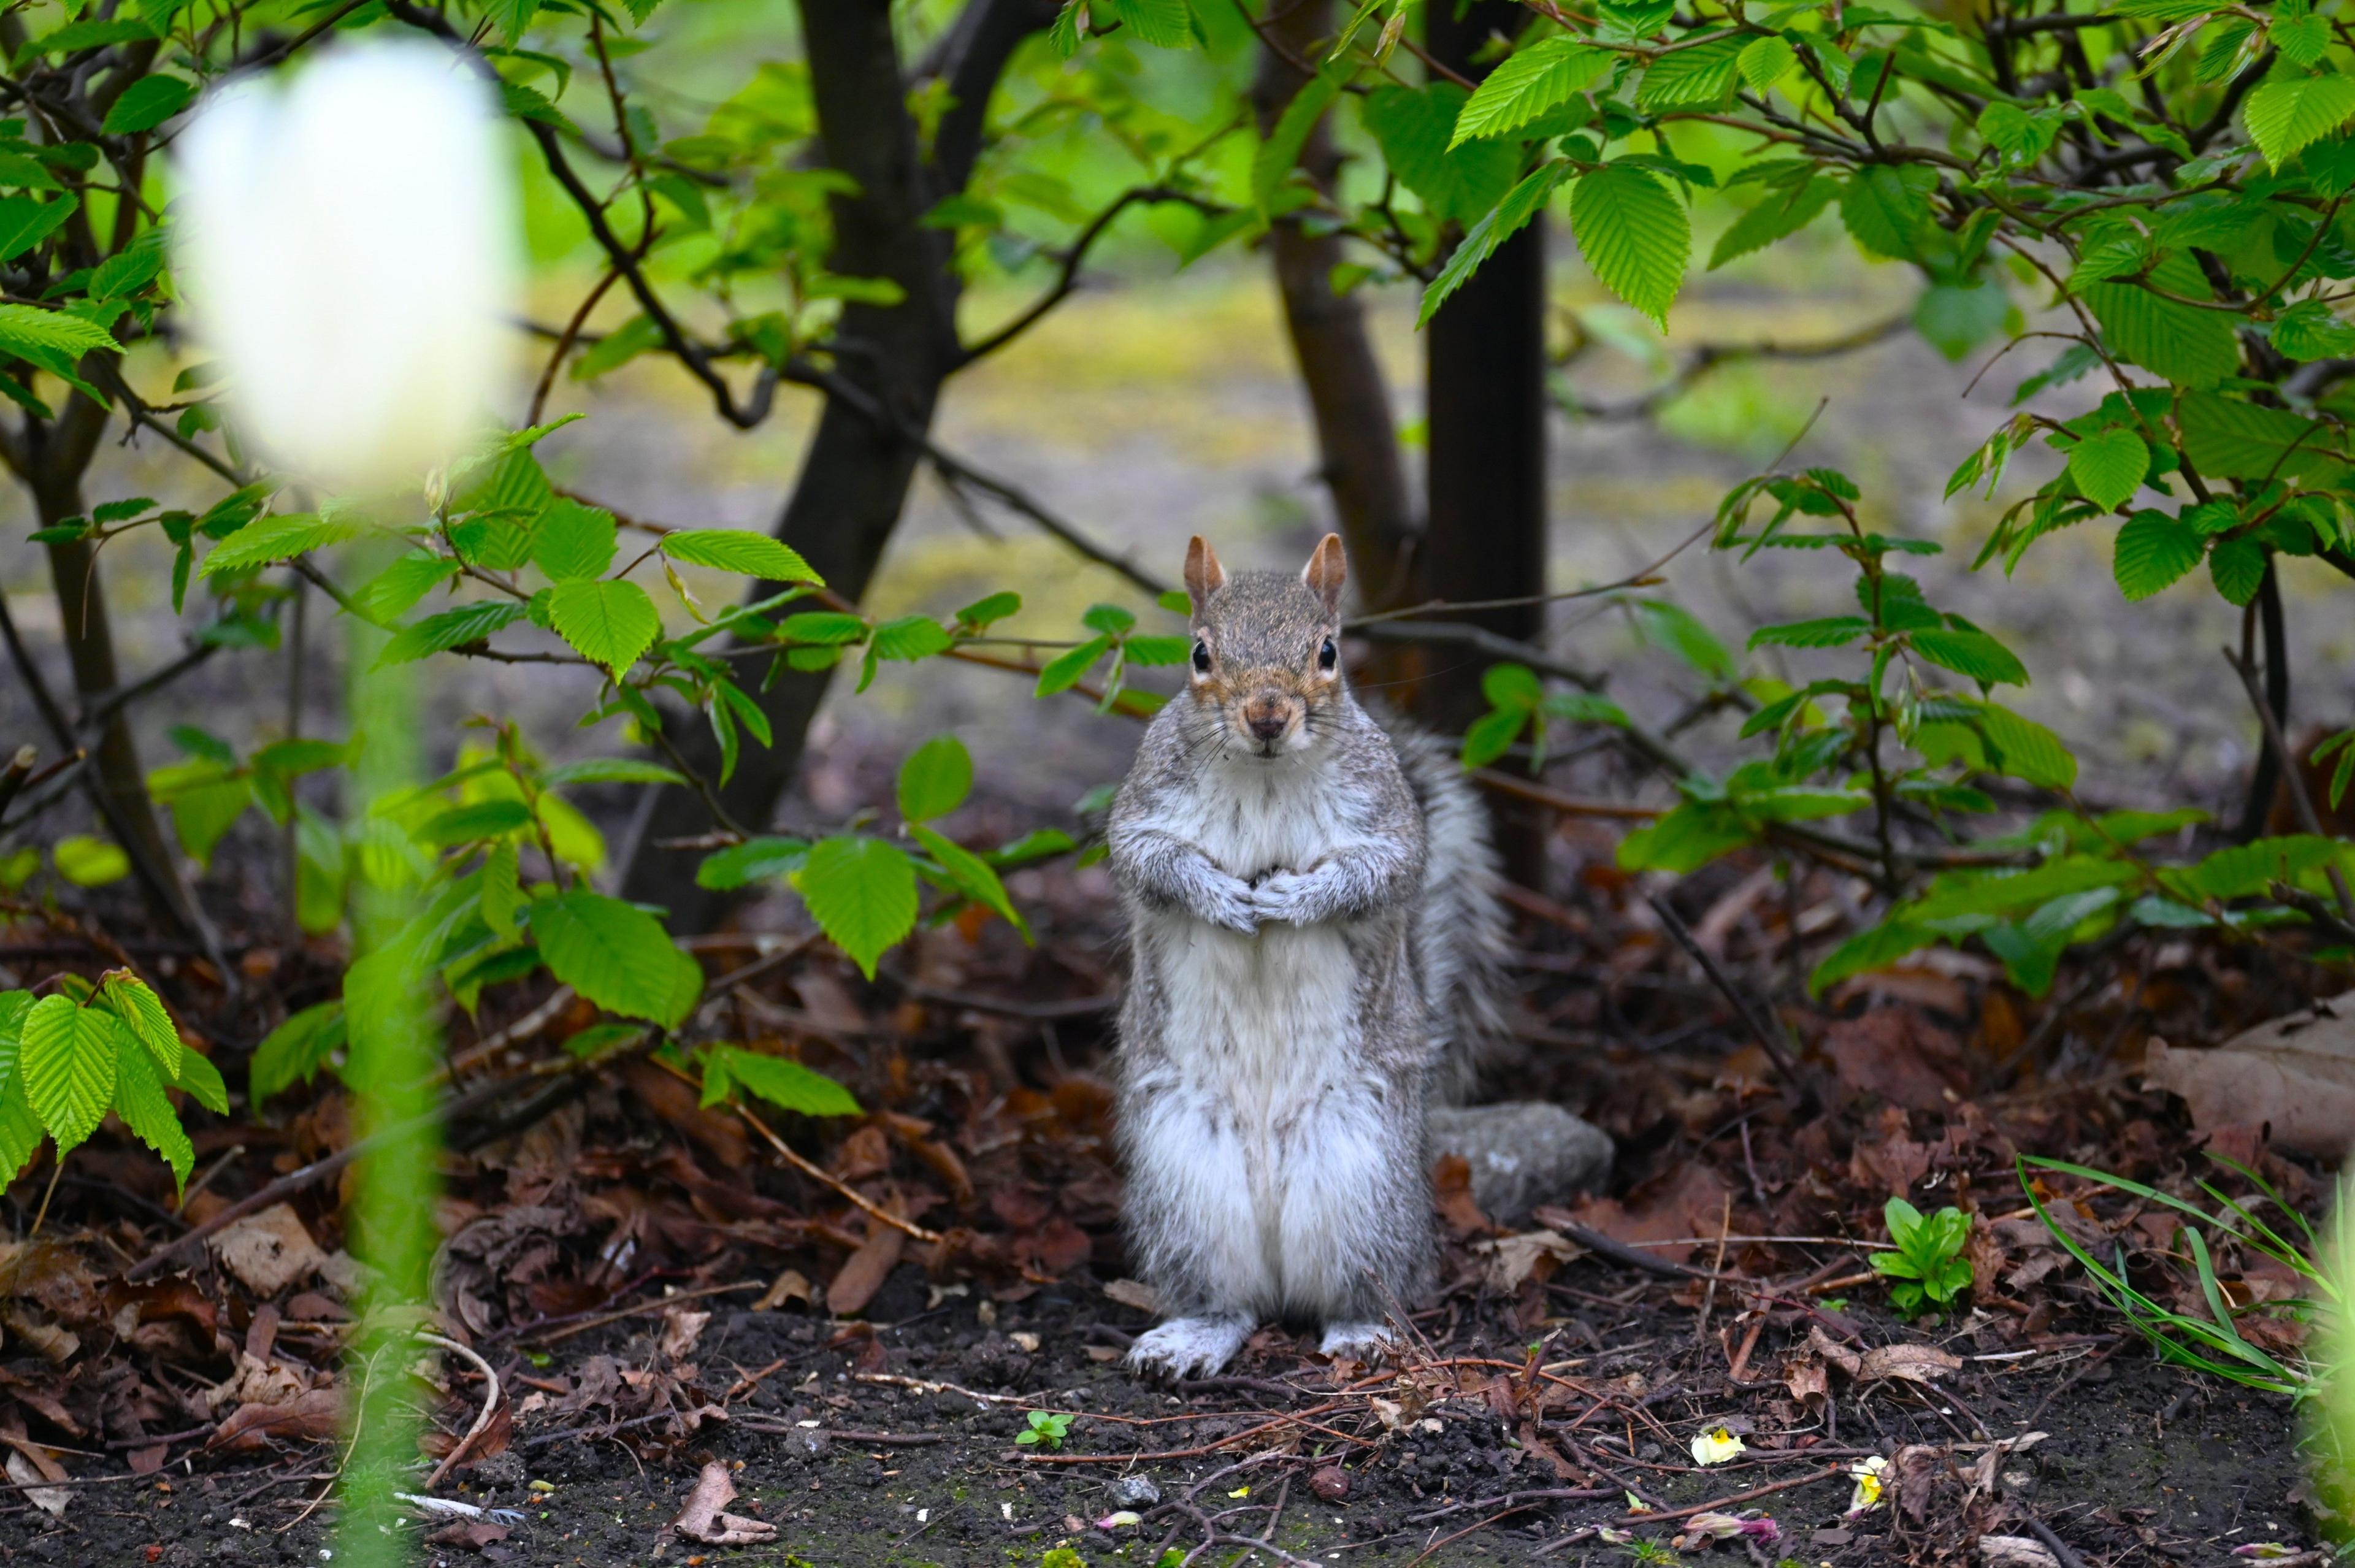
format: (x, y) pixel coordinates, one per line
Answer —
(1328, 655)
(1202, 656)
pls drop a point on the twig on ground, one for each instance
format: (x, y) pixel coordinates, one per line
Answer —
(481, 1420)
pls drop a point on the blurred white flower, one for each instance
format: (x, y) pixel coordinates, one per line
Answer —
(1871, 1476)
(347, 242)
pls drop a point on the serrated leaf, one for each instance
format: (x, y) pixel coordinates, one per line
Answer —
(750, 861)
(2230, 439)
(973, 875)
(1972, 654)
(987, 612)
(1412, 124)
(26, 220)
(788, 1085)
(2286, 116)
(280, 536)
(1698, 71)
(2026, 749)
(2108, 466)
(142, 1012)
(1526, 84)
(140, 1101)
(1885, 208)
(1065, 670)
(20, 1131)
(1831, 632)
(394, 591)
(1507, 219)
(1273, 163)
(2153, 551)
(65, 1059)
(1766, 61)
(1876, 948)
(609, 623)
(936, 779)
(1165, 23)
(862, 894)
(449, 629)
(2181, 342)
(147, 103)
(571, 541)
(612, 953)
(739, 550)
(612, 770)
(1784, 213)
(1634, 233)
(2237, 567)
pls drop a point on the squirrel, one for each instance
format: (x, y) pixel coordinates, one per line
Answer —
(1316, 937)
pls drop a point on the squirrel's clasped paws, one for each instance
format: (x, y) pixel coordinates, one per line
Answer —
(1284, 896)
(1231, 904)
(1187, 1347)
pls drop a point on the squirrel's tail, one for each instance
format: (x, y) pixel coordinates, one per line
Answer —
(1463, 927)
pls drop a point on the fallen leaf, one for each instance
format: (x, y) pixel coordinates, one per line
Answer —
(791, 1286)
(1515, 1259)
(702, 1519)
(864, 1272)
(1806, 1380)
(269, 1251)
(1133, 1293)
(2295, 1074)
(1912, 1363)
(681, 1329)
(310, 1418)
(2016, 1551)
(51, 1500)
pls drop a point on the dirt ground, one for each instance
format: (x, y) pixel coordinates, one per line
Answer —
(897, 1449)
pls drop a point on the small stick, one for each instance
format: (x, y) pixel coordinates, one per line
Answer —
(1769, 1040)
(2060, 1548)
(1753, 1493)
(482, 1421)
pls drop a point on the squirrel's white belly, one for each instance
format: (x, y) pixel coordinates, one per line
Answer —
(1261, 1019)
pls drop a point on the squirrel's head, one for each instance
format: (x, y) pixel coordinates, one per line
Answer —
(1266, 661)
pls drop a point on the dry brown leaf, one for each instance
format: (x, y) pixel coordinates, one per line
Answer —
(311, 1417)
(1513, 1259)
(1806, 1379)
(681, 1329)
(1133, 1293)
(702, 1519)
(2295, 1074)
(864, 1273)
(269, 1251)
(791, 1286)
(2016, 1551)
(51, 1500)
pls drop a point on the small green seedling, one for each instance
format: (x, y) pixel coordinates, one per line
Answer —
(1928, 1267)
(1047, 1430)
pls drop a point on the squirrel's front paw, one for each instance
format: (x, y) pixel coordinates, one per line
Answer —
(1187, 1347)
(1285, 896)
(1231, 904)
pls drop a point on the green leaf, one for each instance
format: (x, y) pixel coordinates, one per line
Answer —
(2237, 568)
(609, 623)
(1832, 631)
(936, 779)
(612, 953)
(1785, 211)
(1165, 23)
(987, 611)
(1672, 626)
(2153, 551)
(571, 541)
(739, 550)
(265, 541)
(1272, 165)
(2181, 342)
(1973, 653)
(1686, 840)
(2287, 115)
(142, 1012)
(1954, 318)
(66, 1062)
(1509, 218)
(2308, 331)
(1633, 232)
(147, 103)
(2229, 439)
(295, 1051)
(750, 861)
(612, 770)
(1526, 84)
(1413, 125)
(1065, 670)
(28, 331)
(2026, 749)
(1513, 685)
(862, 894)
(2108, 466)
(1695, 71)
(20, 1131)
(2003, 893)
(1886, 209)
(89, 862)
(480, 819)
(972, 874)
(26, 220)
(1876, 948)
(1492, 734)
(1766, 61)
(910, 638)
(140, 1101)
(449, 629)
(788, 1085)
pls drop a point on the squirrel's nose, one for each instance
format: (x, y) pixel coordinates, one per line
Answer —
(1266, 717)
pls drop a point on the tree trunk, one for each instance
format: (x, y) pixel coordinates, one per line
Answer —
(1485, 531)
(1356, 436)
(855, 477)
(55, 457)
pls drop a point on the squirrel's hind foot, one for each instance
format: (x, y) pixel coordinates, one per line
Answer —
(1368, 1342)
(1188, 1347)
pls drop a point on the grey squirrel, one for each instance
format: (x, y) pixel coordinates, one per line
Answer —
(1314, 934)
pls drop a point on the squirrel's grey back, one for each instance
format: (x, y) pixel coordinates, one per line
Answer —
(1461, 929)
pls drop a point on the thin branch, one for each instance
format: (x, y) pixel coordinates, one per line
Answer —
(1067, 279)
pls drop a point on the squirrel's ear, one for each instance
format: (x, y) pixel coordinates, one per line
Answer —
(1326, 570)
(1204, 575)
